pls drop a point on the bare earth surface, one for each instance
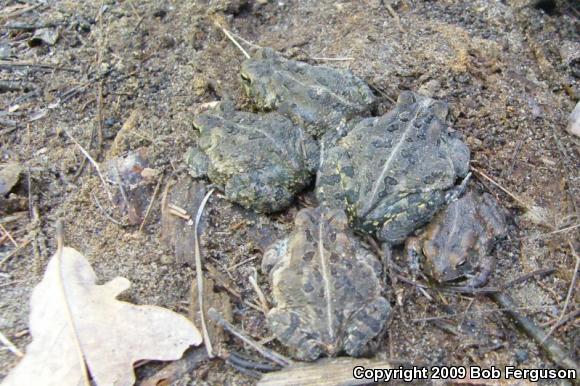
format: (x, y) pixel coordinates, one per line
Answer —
(508, 70)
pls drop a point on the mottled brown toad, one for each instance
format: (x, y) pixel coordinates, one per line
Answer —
(260, 161)
(326, 288)
(457, 244)
(317, 98)
(393, 173)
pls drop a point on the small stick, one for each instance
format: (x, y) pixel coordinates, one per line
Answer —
(229, 35)
(555, 351)
(179, 214)
(14, 252)
(258, 290)
(8, 235)
(94, 163)
(177, 209)
(331, 59)
(10, 346)
(561, 321)
(232, 267)
(199, 276)
(516, 198)
(266, 353)
(151, 203)
(104, 212)
(539, 272)
(570, 292)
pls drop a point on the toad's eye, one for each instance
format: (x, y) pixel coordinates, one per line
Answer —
(459, 264)
(246, 78)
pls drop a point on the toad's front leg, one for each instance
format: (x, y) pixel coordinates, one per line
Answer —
(480, 278)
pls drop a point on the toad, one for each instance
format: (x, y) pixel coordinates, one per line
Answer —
(326, 288)
(457, 244)
(393, 173)
(317, 98)
(260, 161)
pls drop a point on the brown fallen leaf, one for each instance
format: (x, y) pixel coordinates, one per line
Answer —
(79, 327)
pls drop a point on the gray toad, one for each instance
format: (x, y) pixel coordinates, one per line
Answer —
(456, 245)
(260, 161)
(317, 98)
(393, 173)
(326, 288)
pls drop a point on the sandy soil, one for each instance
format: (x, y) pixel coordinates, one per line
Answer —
(508, 70)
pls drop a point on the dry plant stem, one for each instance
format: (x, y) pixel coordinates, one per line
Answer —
(266, 353)
(553, 349)
(8, 235)
(199, 276)
(58, 257)
(104, 212)
(14, 252)
(231, 268)
(151, 203)
(10, 346)
(323, 59)
(570, 291)
(258, 290)
(560, 322)
(231, 37)
(94, 163)
(539, 272)
(488, 178)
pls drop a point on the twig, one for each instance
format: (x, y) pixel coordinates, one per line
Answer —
(488, 178)
(570, 291)
(10, 346)
(338, 59)
(15, 251)
(104, 212)
(539, 272)
(555, 351)
(93, 162)
(561, 321)
(7, 65)
(232, 267)
(478, 312)
(258, 291)
(8, 235)
(571, 227)
(266, 353)
(199, 276)
(230, 36)
(151, 203)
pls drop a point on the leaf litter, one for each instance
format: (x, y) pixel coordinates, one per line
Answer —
(79, 328)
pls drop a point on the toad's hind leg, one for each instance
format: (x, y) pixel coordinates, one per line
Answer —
(364, 325)
(286, 326)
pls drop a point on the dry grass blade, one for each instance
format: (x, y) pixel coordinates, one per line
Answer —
(10, 346)
(233, 39)
(536, 213)
(199, 276)
(259, 293)
(269, 354)
(570, 292)
(94, 163)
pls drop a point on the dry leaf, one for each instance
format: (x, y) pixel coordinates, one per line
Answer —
(73, 321)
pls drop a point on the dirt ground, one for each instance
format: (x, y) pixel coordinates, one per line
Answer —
(509, 71)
